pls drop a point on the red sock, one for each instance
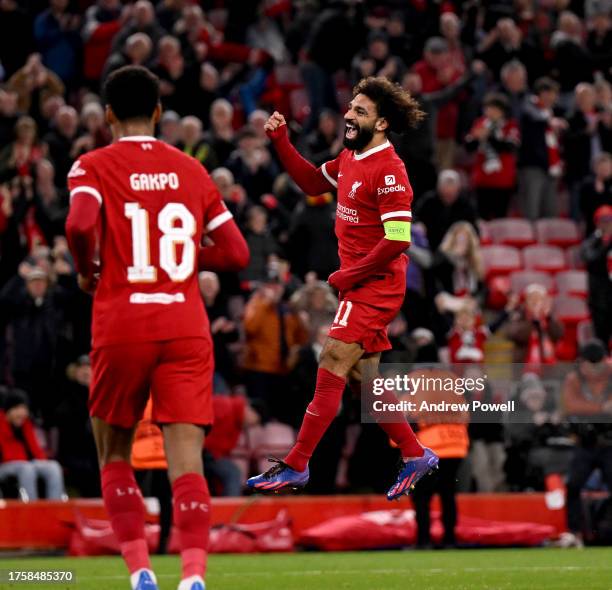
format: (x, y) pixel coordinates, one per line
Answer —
(319, 415)
(399, 431)
(124, 505)
(191, 515)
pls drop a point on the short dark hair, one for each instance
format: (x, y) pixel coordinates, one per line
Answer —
(132, 92)
(498, 100)
(545, 85)
(393, 103)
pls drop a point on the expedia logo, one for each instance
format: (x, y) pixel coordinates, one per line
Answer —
(398, 188)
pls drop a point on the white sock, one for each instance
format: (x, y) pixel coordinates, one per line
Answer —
(190, 581)
(136, 575)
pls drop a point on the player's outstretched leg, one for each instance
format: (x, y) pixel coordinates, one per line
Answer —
(416, 460)
(123, 501)
(191, 501)
(336, 361)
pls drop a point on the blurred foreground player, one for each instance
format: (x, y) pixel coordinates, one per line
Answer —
(150, 206)
(373, 228)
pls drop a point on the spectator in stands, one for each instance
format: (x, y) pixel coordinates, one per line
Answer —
(495, 138)
(34, 83)
(19, 158)
(21, 455)
(193, 143)
(261, 246)
(233, 415)
(457, 264)
(572, 62)
(170, 128)
(136, 51)
(206, 93)
(95, 132)
(16, 42)
(505, 43)
(56, 31)
(533, 328)
(325, 56)
(417, 151)
(76, 448)
(316, 303)
(596, 190)
(223, 330)
(596, 252)
(325, 142)
(439, 209)
(540, 157)
(582, 142)
(9, 113)
(376, 60)
(60, 141)
(312, 244)
(177, 77)
(102, 22)
(34, 310)
(587, 402)
(599, 39)
(252, 164)
(141, 20)
(513, 84)
(437, 72)
(221, 135)
(234, 196)
(274, 334)
(539, 445)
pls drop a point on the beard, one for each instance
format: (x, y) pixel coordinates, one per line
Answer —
(362, 138)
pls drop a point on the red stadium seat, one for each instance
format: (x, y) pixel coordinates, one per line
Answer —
(557, 232)
(500, 260)
(521, 279)
(570, 310)
(277, 440)
(484, 231)
(512, 232)
(544, 258)
(574, 259)
(573, 283)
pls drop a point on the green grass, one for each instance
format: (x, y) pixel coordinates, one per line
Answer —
(515, 569)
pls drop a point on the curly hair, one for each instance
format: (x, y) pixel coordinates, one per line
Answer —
(393, 103)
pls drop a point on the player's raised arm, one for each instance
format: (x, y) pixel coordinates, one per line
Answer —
(312, 180)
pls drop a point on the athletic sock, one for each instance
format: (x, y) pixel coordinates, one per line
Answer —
(399, 431)
(124, 505)
(319, 415)
(191, 513)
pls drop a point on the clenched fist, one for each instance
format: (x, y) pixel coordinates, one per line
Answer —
(276, 125)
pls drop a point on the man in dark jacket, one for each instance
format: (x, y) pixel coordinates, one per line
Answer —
(439, 209)
(596, 251)
(539, 157)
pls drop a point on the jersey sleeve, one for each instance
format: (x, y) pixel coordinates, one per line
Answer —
(215, 211)
(394, 196)
(393, 192)
(331, 169)
(83, 179)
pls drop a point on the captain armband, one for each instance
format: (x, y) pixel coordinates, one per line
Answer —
(397, 230)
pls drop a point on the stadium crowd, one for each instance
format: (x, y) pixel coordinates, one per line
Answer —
(518, 137)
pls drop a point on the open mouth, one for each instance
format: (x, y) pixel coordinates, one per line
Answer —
(351, 131)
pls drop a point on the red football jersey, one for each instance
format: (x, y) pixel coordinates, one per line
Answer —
(372, 187)
(156, 203)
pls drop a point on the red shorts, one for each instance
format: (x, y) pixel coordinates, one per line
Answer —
(365, 324)
(176, 373)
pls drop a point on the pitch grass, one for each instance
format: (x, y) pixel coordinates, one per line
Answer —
(514, 569)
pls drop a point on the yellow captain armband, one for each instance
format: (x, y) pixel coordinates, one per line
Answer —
(397, 230)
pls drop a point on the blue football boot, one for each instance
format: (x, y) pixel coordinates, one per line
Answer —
(279, 477)
(411, 472)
